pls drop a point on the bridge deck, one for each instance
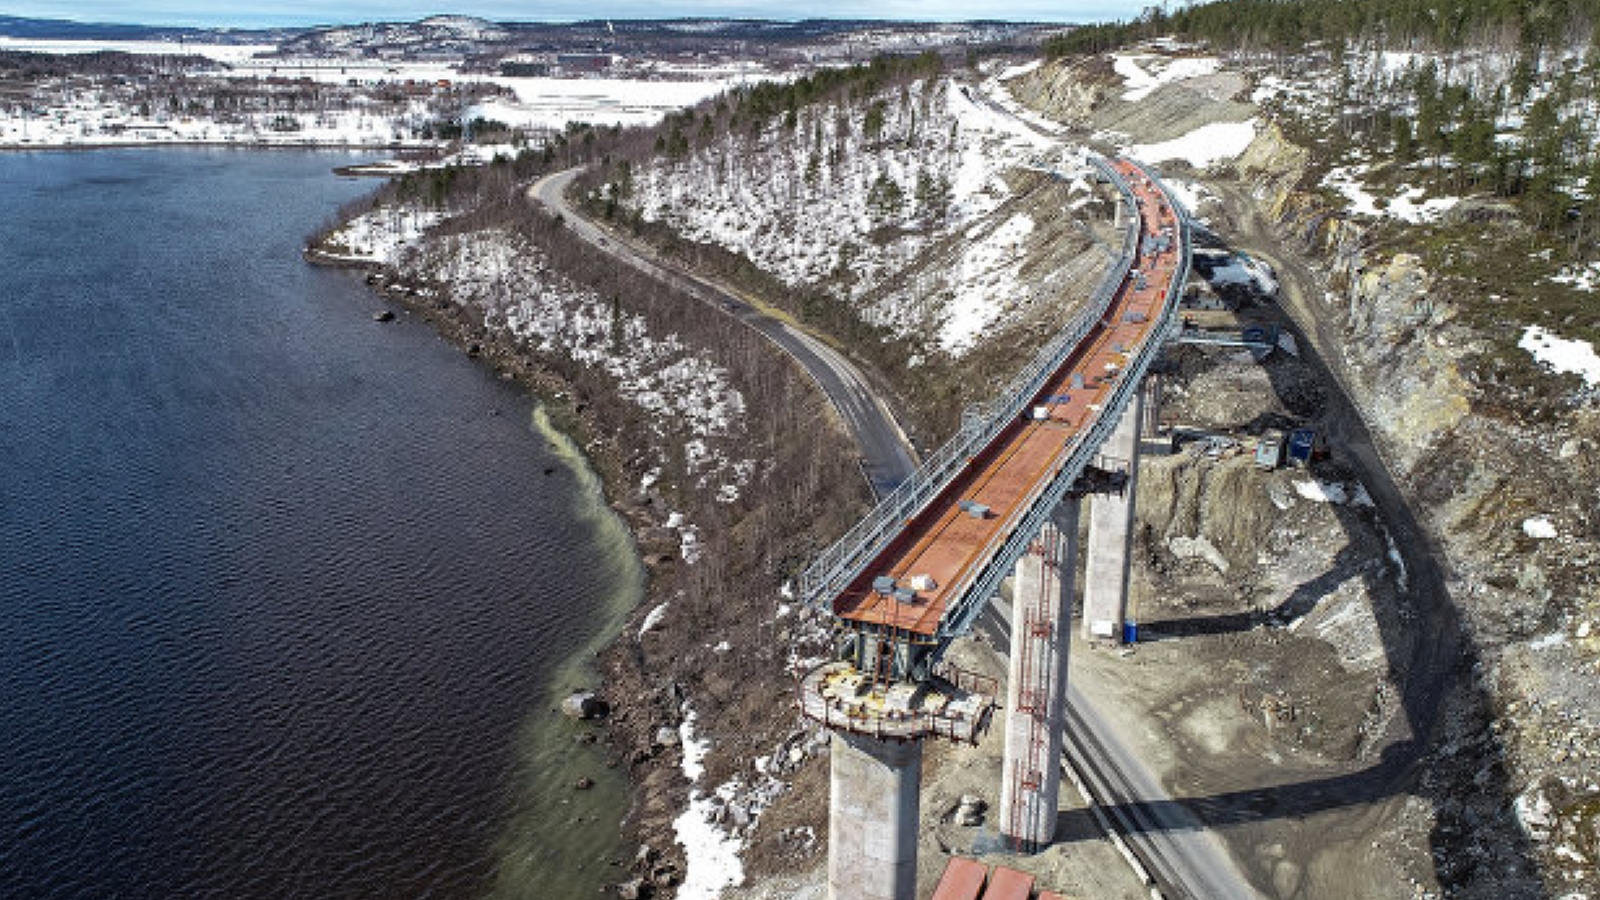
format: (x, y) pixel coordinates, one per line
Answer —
(944, 546)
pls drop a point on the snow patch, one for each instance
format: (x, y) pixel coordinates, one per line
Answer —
(824, 198)
(1200, 147)
(1407, 204)
(694, 748)
(712, 855)
(1323, 492)
(227, 53)
(1189, 193)
(553, 102)
(1553, 639)
(986, 278)
(1539, 528)
(1402, 576)
(1583, 278)
(1019, 71)
(379, 235)
(1143, 73)
(653, 619)
(1561, 355)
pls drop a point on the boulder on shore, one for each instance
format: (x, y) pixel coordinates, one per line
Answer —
(585, 705)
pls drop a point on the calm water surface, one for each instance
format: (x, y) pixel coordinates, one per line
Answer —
(284, 599)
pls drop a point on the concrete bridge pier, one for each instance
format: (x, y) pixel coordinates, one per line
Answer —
(874, 801)
(1036, 686)
(1105, 591)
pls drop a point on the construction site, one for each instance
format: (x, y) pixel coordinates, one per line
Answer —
(1001, 500)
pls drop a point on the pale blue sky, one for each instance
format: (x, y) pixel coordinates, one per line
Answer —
(319, 12)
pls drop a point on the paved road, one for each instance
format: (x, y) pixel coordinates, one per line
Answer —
(886, 460)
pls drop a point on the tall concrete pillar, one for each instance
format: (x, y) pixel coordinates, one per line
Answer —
(1105, 587)
(1036, 687)
(873, 808)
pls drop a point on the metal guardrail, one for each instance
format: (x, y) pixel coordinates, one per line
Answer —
(844, 560)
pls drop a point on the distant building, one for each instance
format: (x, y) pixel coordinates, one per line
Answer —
(517, 69)
(583, 62)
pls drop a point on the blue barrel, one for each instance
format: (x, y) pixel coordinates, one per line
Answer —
(1130, 632)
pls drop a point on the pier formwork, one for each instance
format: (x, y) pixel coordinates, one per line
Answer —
(1036, 686)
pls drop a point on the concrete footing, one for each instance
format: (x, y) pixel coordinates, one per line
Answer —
(874, 803)
(1105, 589)
(1036, 688)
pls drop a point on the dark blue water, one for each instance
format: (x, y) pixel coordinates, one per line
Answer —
(282, 599)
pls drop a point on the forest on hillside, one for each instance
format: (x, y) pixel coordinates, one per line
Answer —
(1477, 96)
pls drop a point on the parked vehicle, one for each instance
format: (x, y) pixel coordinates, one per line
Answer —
(1269, 449)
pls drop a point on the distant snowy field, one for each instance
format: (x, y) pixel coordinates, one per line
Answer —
(224, 53)
(553, 102)
(539, 103)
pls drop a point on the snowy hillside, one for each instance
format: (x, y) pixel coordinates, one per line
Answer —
(459, 34)
(851, 197)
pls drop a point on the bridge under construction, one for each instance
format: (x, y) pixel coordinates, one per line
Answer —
(1002, 498)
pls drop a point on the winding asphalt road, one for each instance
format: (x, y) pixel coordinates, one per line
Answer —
(1181, 857)
(886, 458)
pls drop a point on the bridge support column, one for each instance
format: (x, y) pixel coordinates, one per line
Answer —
(1105, 590)
(1036, 687)
(874, 802)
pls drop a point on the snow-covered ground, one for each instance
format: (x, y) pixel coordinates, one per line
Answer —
(379, 235)
(91, 121)
(1407, 203)
(711, 852)
(1201, 147)
(1583, 278)
(79, 114)
(1143, 73)
(683, 394)
(1539, 528)
(1561, 355)
(1198, 199)
(985, 277)
(553, 102)
(799, 202)
(224, 53)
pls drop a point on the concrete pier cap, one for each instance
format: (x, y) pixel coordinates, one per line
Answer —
(875, 785)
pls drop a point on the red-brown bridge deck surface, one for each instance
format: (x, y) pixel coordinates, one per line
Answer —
(947, 544)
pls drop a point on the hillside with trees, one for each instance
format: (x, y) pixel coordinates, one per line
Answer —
(1496, 96)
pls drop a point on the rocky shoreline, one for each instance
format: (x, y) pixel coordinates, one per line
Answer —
(630, 740)
(669, 677)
